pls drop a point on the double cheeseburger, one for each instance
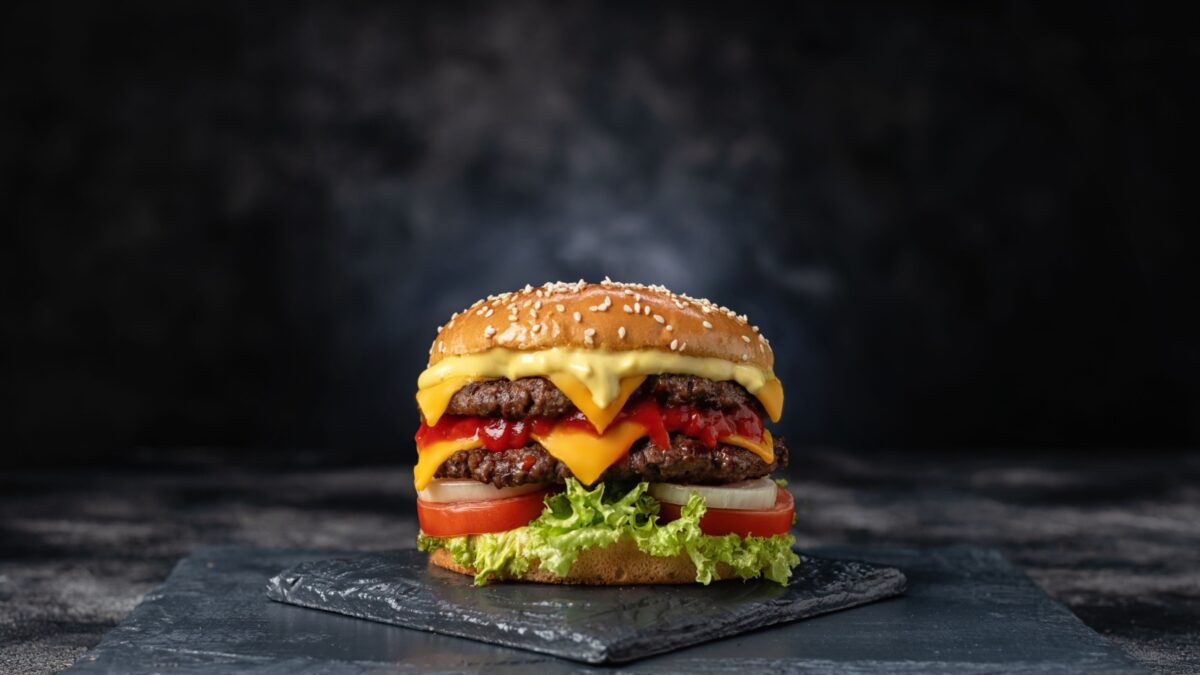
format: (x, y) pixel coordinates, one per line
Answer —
(602, 434)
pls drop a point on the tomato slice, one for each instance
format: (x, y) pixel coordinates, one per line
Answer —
(452, 519)
(761, 523)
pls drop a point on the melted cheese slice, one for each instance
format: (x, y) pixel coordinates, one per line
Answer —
(588, 455)
(771, 397)
(602, 371)
(433, 400)
(432, 456)
(600, 417)
(764, 448)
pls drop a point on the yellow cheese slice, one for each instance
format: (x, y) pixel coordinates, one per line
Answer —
(586, 454)
(764, 449)
(771, 396)
(600, 370)
(433, 400)
(432, 456)
(574, 389)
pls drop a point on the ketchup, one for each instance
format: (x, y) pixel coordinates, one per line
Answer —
(707, 426)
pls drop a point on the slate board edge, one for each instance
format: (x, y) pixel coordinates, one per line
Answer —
(891, 579)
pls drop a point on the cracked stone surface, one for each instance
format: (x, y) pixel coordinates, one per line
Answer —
(1114, 537)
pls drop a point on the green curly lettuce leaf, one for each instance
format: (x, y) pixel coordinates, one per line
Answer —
(578, 519)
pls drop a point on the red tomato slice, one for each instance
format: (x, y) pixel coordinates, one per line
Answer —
(452, 519)
(762, 523)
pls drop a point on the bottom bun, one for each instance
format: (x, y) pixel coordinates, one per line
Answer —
(618, 564)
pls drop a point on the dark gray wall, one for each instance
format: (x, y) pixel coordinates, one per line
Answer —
(238, 223)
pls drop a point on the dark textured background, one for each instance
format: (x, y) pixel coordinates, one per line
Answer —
(238, 223)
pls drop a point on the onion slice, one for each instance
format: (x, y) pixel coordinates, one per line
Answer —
(441, 491)
(747, 495)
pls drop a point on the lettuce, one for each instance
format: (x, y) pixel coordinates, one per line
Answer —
(578, 519)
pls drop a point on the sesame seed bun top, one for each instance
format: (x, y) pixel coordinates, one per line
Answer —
(608, 316)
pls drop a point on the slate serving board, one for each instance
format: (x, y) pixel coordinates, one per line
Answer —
(589, 624)
(966, 610)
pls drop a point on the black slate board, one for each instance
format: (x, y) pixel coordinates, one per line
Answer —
(589, 624)
(966, 610)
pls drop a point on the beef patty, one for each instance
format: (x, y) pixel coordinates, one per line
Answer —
(686, 461)
(536, 396)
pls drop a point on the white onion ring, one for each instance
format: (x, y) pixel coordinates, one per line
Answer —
(747, 495)
(441, 491)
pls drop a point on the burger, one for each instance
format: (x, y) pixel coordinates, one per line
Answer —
(604, 433)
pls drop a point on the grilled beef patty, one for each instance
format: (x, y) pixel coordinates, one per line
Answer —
(536, 396)
(686, 461)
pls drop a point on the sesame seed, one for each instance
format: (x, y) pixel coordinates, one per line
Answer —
(536, 327)
(489, 331)
(637, 307)
(592, 308)
(670, 328)
(706, 309)
(707, 324)
(621, 332)
(559, 307)
(659, 318)
(450, 324)
(589, 332)
(746, 338)
(439, 330)
(745, 357)
(489, 313)
(532, 313)
(538, 304)
(628, 309)
(578, 316)
(512, 318)
(646, 310)
(674, 344)
(682, 347)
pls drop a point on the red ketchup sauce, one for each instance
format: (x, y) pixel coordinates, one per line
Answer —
(707, 426)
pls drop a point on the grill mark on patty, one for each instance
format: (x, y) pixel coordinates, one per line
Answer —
(686, 461)
(537, 396)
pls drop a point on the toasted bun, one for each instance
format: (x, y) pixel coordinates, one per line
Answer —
(619, 564)
(652, 317)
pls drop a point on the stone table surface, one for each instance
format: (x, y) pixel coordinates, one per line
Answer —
(1114, 536)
